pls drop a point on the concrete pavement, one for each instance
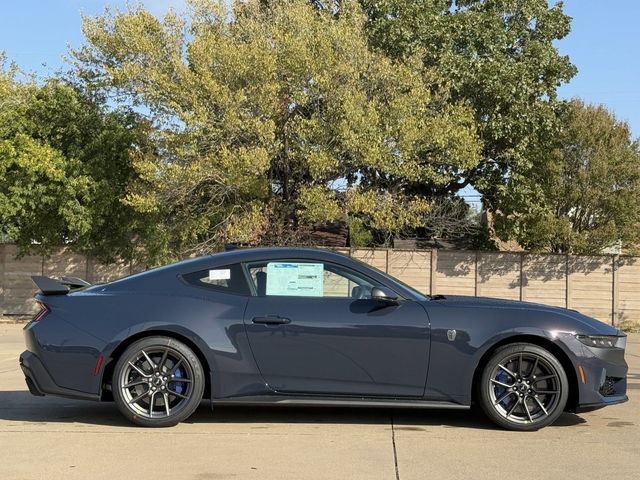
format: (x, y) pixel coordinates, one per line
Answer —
(52, 438)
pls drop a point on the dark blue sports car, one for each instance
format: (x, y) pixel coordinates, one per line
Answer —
(293, 326)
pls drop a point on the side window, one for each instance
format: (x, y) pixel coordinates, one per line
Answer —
(308, 279)
(229, 279)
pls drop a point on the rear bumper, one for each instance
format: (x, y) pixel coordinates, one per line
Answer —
(40, 382)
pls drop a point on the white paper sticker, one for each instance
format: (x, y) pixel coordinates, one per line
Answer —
(295, 279)
(222, 274)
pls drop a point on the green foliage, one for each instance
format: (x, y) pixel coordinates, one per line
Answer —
(359, 235)
(64, 167)
(262, 109)
(265, 117)
(39, 197)
(589, 181)
(499, 58)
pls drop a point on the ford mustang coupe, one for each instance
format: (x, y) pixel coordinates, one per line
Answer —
(294, 326)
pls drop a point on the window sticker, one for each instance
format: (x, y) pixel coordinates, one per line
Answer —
(220, 274)
(295, 279)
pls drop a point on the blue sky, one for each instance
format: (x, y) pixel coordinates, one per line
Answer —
(603, 44)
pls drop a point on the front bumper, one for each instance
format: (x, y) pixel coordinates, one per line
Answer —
(589, 407)
(40, 382)
(601, 375)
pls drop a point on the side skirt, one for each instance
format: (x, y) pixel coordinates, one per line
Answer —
(317, 401)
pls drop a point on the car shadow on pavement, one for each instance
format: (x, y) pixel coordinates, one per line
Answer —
(20, 406)
(402, 419)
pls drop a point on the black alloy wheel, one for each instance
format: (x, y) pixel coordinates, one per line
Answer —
(523, 387)
(158, 382)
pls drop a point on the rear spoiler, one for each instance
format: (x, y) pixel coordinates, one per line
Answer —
(51, 286)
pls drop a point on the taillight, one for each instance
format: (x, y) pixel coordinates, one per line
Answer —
(44, 310)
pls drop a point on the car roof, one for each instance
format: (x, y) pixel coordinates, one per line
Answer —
(236, 256)
(158, 277)
(257, 254)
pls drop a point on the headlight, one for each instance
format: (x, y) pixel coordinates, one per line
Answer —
(602, 341)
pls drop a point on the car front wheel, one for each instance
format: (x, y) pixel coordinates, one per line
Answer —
(158, 382)
(523, 387)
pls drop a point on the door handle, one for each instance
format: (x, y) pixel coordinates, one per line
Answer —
(271, 320)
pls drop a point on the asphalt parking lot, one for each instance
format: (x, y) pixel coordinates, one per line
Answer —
(53, 438)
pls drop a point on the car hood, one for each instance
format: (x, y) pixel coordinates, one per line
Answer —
(581, 321)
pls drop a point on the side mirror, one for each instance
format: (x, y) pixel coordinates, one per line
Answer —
(384, 294)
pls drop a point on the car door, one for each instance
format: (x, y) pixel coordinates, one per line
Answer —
(314, 329)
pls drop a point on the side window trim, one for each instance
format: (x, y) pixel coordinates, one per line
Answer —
(217, 288)
(247, 278)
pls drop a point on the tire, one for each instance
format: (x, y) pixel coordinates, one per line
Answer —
(523, 387)
(158, 382)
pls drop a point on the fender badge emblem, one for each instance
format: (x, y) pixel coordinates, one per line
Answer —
(451, 335)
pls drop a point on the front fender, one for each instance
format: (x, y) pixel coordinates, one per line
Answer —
(453, 362)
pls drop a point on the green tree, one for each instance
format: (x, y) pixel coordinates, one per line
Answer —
(273, 115)
(65, 163)
(589, 184)
(500, 58)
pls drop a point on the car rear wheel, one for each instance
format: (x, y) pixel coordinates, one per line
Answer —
(523, 387)
(158, 382)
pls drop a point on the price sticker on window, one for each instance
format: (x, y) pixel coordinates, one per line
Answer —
(220, 274)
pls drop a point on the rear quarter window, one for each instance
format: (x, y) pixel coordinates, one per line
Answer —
(226, 279)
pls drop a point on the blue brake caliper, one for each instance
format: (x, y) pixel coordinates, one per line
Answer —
(503, 377)
(179, 386)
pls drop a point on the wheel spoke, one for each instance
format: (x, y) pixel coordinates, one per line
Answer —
(520, 360)
(163, 359)
(507, 370)
(515, 405)
(151, 403)
(146, 375)
(175, 366)
(541, 405)
(493, 380)
(544, 377)
(134, 383)
(503, 397)
(526, 407)
(546, 392)
(533, 369)
(166, 403)
(139, 397)
(177, 394)
(151, 362)
(180, 380)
